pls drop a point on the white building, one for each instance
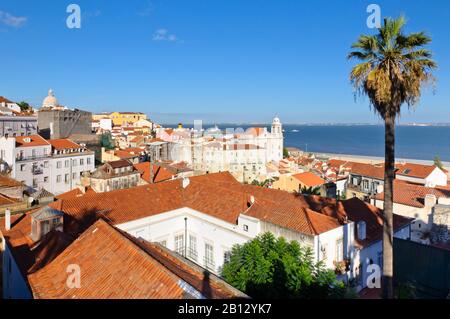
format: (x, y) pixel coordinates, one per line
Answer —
(4, 102)
(55, 165)
(242, 153)
(427, 175)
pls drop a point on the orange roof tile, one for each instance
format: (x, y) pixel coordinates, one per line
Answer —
(410, 194)
(32, 140)
(6, 181)
(414, 170)
(159, 173)
(309, 179)
(114, 265)
(62, 144)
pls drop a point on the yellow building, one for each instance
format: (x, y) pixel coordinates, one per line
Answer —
(295, 182)
(121, 118)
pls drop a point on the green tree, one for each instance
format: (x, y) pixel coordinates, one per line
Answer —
(392, 71)
(24, 106)
(107, 141)
(266, 183)
(267, 267)
(285, 152)
(438, 163)
(310, 190)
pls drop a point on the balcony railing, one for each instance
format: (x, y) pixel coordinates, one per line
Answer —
(37, 171)
(20, 158)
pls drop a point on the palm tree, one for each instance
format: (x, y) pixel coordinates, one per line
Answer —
(310, 190)
(392, 71)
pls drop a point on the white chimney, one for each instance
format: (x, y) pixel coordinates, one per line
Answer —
(7, 220)
(361, 228)
(186, 182)
(380, 189)
(430, 200)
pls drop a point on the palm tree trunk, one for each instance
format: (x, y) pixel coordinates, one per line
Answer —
(389, 175)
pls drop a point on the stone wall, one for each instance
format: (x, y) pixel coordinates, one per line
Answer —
(440, 232)
(65, 123)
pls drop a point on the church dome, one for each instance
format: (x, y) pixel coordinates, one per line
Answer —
(50, 101)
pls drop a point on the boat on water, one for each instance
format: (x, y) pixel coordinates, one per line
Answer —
(295, 131)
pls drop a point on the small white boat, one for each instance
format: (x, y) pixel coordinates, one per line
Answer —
(295, 131)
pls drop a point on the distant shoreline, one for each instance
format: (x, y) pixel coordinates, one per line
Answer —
(374, 159)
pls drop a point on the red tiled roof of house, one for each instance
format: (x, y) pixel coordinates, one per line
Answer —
(5, 200)
(32, 140)
(368, 170)
(309, 179)
(6, 182)
(5, 100)
(414, 170)
(75, 193)
(63, 144)
(411, 194)
(159, 173)
(353, 209)
(115, 266)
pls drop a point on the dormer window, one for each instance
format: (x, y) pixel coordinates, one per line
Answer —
(44, 221)
(27, 140)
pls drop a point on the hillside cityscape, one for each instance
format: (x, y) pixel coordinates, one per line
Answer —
(118, 203)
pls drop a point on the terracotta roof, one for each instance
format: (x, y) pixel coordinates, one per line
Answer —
(309, 179)
(411, 194)
(6, 182)
(62, 144)
(256, 131)
(35, 140)
(120, 163)
(5, 100)
(113, 265)
(353, 209)
(75, 193)
(368, 170)
(159, 173)
(414, 170)
(5, 200)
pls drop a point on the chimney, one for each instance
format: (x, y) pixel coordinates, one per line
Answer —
(7, 220)
(152, 173)
(430, 200)
(361, 228)
(186, 182)
(380, 189)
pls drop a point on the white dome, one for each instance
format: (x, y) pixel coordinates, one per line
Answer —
(276, 120)
(50, 101)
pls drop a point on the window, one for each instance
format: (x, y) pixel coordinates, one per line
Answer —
(46, 179)
(163, 243)
(179, 244)
(81, 161)
(74, 175)
(366, 184)
(74, 162)
(22, 167)
(340, 249)
(58, 164)
(58, 178)
(46, 164)
(246, 228)
(192, 251)
(66, 178)
(209, 256)
(66, 163)
(226, 256)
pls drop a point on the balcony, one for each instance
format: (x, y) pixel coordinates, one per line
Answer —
(21, 158)
(37, 170)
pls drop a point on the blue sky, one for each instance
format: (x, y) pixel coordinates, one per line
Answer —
(216, 60)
